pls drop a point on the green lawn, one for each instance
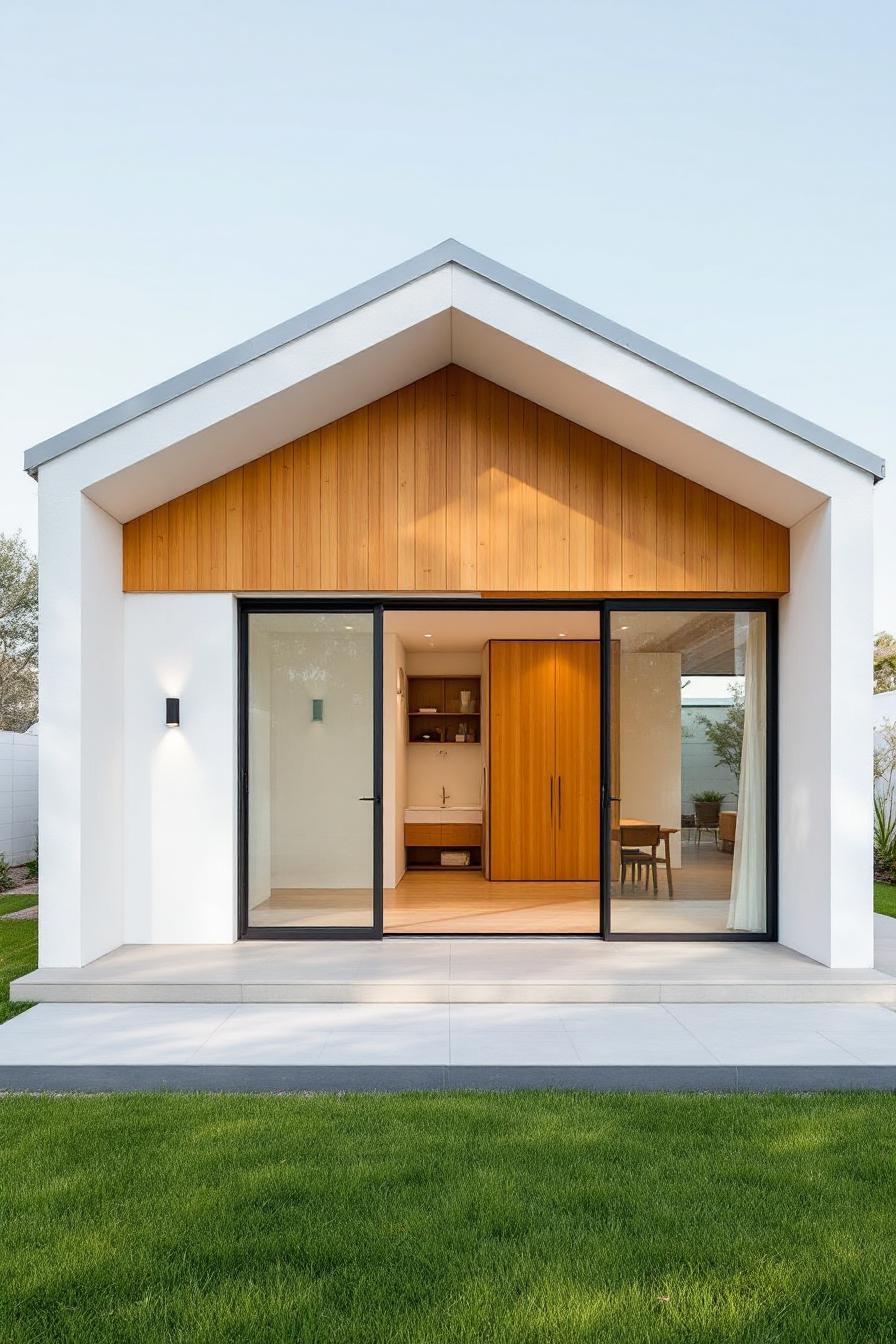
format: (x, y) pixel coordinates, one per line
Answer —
(18, 950)
(885, 898)
(429, 1219)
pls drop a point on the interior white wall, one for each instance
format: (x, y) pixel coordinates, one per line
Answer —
(650, 740)
(825, 715)
(180, 783)
(456, 765)
(394, 761)
(321, 834)
(259, 759)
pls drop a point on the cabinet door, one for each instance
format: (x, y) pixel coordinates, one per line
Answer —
(521, 760)
(577, 803)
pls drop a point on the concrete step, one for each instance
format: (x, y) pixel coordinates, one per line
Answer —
(452, 970)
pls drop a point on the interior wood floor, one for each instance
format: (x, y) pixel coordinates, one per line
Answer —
(314, 908)
(704, 875)
(465, 902)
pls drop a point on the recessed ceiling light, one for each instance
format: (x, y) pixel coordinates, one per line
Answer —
(561, 634)
(349, 627)
(427, 636)
(623, 627)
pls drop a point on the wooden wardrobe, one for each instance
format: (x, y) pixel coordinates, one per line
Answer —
(544, 760)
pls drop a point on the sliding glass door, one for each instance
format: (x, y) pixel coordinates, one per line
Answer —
(679, 816)
(690, 802)
(311, 792)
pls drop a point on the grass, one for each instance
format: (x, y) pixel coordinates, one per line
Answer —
(556, 1217)
(18, 950)
(444, 1219)
(885, 898)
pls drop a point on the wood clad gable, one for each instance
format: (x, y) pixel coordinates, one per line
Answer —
(454, 484)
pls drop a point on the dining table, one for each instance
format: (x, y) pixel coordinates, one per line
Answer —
(665, 833)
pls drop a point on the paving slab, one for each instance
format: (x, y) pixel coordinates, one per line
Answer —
(388, 1047)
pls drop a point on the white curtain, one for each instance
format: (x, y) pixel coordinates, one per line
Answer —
(746, 911)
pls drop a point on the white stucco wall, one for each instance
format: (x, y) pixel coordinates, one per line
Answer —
(180, 784)
(825, 715)
(79, 792)
(18, 795)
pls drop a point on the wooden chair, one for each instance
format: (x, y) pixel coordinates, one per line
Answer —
(706, 818)
(633, 855)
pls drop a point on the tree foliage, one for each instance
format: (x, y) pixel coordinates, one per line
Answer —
(884, 662)
(18, 635)
(726, 734)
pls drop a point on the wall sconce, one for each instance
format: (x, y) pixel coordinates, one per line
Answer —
(317, 711)
(172, 713)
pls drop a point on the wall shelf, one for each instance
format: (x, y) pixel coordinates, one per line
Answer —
(442, 694)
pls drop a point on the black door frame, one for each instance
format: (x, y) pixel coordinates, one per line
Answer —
(245, 608)
(603, 608)
(770, 608)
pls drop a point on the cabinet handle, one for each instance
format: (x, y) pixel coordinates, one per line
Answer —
(552, 797)
(559, 800)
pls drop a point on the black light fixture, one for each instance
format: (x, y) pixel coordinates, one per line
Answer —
(172, 712)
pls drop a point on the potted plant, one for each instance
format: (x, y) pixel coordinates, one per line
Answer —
(707, 806)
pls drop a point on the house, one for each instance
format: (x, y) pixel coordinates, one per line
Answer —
(382, 624)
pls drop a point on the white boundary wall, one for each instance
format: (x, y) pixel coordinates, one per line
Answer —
(18, 795)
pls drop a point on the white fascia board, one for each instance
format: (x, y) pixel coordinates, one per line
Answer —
(426, 263)
(452, 313)
(640, 404)
(331, 370)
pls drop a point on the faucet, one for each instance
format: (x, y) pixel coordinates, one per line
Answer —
(445, 796)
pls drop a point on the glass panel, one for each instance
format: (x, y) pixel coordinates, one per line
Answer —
(310, 759)
(689, 788)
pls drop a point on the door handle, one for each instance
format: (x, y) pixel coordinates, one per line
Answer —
(369, 800)
(552, 797)
(559, 800)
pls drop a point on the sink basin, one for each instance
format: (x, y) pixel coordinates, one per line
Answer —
(443, 814)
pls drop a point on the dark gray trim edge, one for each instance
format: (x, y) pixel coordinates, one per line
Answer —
(425, 263)
(445, 1077)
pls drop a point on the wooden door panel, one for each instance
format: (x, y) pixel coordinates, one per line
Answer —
(577, 810)
(521, 765)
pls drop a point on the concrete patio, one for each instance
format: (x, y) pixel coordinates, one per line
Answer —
(458, 970)
(388, 1047)
(440, 1013)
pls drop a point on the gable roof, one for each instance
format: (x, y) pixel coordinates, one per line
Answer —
(451, 252)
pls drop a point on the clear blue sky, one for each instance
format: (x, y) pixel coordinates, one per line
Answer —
(178, 176)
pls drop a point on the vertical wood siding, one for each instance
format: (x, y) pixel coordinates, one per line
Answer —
(454, 485)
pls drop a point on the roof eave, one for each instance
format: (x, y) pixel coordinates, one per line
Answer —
(447, 253)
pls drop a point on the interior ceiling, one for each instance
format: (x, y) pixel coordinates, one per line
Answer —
(466, 631)
(711, 643)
